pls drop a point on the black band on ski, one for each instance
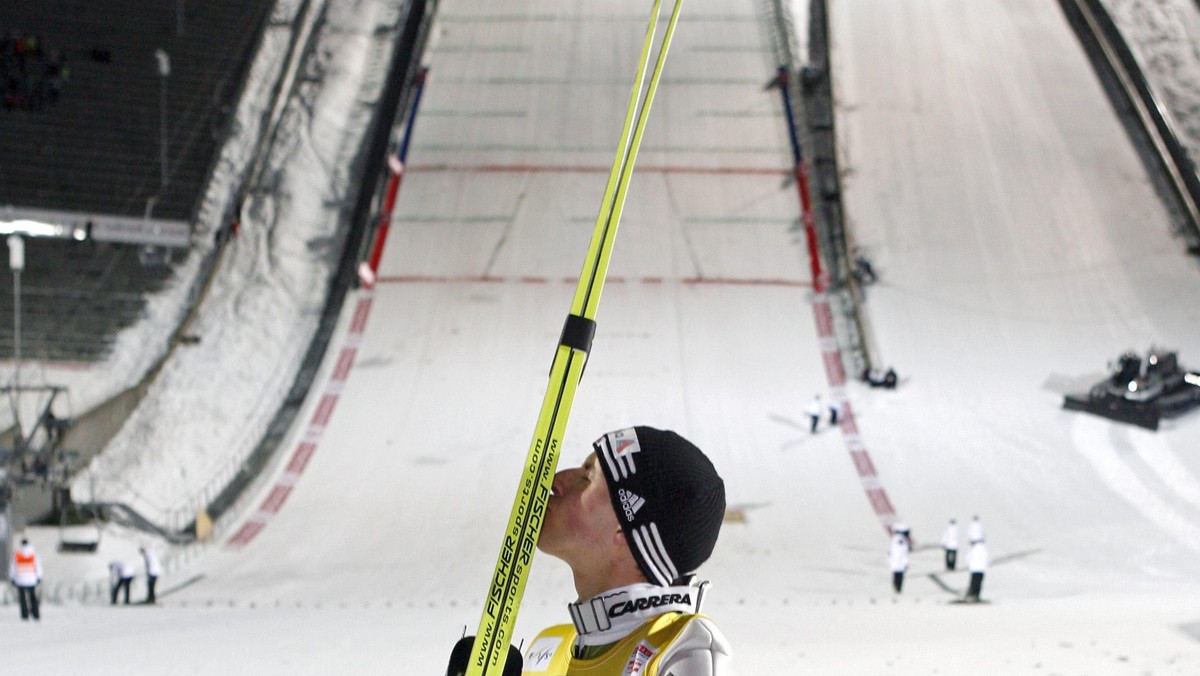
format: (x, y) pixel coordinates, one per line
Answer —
(460, 657)
(577, 333)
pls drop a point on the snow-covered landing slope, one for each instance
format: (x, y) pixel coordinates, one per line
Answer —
(1021, 247)
(383, 547)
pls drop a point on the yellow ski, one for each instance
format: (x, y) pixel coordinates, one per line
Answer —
(490, 649)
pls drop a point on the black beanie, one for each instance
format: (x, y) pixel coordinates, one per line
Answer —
(667, 496)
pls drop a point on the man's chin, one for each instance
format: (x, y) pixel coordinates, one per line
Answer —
(545, 545)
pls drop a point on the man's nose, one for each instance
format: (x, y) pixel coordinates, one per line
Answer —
(556, 486)
(564, 480)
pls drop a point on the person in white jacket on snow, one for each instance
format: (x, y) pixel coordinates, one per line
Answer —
(153, 570)
(977, 561)
(835, 411)
(25, 573)
(898, 559)
(814, 410)
(120, 577)
(950, 544)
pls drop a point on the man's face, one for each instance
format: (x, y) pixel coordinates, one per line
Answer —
(580, 521)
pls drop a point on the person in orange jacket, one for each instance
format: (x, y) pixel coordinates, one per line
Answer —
(25, 573)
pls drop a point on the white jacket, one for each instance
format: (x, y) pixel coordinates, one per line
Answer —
(898, 554)
(950, 537)
(978, 561)
(153, 566)
(815, 408)
(119, 570)
(701, 650)
(26, 567)
(974, 531)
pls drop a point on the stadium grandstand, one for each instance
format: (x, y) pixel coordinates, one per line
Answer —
(109, 127)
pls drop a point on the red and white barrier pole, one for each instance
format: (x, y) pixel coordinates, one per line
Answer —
(831, 357)
(368, 270)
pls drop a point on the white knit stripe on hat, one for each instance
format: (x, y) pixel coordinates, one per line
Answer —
(605, 452)
(673, 573)
(654, 554)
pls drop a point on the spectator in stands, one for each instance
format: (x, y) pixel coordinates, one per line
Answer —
(31, 75)
(25, 572)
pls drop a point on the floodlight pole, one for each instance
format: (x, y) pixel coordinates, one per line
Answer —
(164, 70)
(16, 261)
(6, 529)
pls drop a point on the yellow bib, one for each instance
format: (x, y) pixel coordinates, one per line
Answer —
(638, 654)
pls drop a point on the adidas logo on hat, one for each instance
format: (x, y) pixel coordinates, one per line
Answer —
(631, 503)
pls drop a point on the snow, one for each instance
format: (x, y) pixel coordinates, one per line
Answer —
(1163, 35)
(266, 301)
(1019, 246)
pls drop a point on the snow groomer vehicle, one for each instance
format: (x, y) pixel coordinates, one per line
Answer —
(1141, 392)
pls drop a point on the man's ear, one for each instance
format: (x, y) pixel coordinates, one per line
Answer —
(618, 537)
